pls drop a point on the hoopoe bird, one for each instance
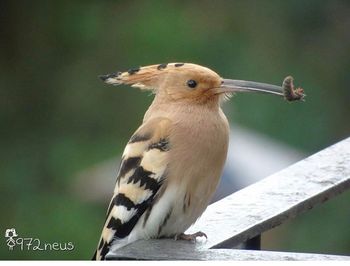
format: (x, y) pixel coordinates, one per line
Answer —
(172, 164)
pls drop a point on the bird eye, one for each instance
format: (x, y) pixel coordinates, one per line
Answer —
(191, 83)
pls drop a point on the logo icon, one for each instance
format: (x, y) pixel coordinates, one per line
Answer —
(11, 234)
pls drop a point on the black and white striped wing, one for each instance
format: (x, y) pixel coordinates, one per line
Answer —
(141, 174)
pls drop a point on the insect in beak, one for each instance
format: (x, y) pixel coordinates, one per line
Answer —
(286, 90)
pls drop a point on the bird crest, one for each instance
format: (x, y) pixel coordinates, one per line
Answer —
(150, 77)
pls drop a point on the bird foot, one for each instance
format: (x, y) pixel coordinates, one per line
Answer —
(190, 237)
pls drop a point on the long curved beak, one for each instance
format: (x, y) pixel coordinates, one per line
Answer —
(232, 85)
(287, 90)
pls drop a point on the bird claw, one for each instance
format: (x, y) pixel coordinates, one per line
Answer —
(190, 237)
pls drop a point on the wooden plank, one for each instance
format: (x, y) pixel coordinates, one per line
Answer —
(268, 203)
(165, 249)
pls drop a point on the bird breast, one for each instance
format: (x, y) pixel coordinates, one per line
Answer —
(198, 148)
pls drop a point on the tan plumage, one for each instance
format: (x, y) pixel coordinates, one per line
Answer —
(172, 164)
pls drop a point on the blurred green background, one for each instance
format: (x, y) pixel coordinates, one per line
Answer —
(57, 118)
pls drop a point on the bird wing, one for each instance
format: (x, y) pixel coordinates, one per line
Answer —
(141, 174)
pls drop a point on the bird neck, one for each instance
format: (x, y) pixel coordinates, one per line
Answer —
(181, 108)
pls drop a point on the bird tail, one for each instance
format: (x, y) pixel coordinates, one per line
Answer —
(94, 256)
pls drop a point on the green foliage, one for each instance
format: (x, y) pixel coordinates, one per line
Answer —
(58, 118)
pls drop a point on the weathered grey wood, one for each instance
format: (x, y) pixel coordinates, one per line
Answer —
(265, 204)
(165, 249)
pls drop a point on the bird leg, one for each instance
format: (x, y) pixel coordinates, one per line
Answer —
(190, 237)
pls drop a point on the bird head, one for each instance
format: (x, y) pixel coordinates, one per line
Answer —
(188, 82)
